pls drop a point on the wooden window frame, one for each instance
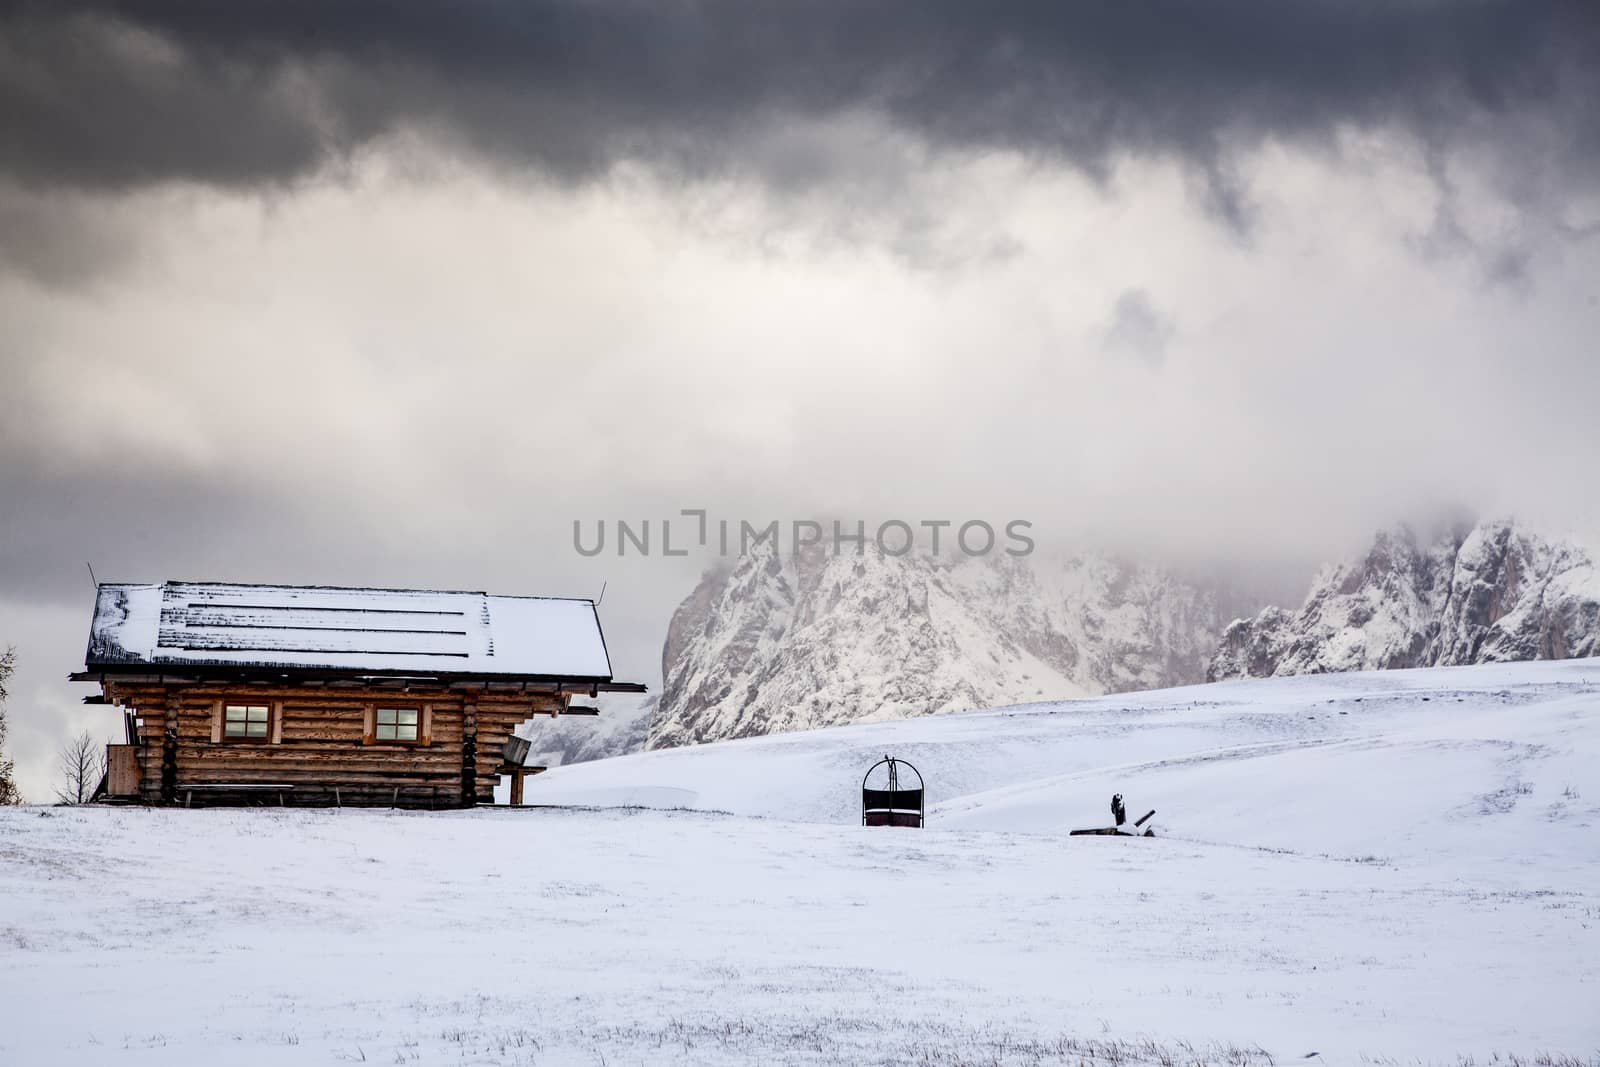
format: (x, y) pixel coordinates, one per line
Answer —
(369, 729)
(219, 721)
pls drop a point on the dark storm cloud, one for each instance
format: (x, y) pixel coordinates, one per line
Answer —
(118, 94)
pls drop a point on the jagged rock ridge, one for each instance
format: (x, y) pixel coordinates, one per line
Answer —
(1491, 593)
(789, 643)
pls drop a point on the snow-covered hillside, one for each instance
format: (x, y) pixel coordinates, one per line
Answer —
(1391, 867)
(1395, 763)
(622, 726)
(1494, 593)
(818, 639)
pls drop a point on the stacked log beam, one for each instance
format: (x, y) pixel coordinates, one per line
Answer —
(321, 748)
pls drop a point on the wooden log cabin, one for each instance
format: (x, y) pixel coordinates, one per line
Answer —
(316, 695)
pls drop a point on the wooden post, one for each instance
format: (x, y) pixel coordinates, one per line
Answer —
(169, 749)
(469, 752)
(517, 774)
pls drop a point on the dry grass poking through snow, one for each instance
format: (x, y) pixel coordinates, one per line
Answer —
(858, 1040)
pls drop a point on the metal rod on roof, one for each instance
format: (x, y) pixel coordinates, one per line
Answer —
(92, 578)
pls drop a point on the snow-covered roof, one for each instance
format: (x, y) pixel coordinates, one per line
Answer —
(322, 628)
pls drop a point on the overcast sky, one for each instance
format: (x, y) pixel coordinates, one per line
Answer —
(348, 292)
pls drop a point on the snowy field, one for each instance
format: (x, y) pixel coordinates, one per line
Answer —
(1399, 867)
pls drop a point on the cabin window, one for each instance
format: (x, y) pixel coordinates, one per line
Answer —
(246, 722)
(397, 724)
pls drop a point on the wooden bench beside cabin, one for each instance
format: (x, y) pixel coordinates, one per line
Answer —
(322, 695)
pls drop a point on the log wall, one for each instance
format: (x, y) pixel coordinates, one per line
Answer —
(319, 744)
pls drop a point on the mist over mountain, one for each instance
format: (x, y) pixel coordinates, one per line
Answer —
(794, 642)
(776, 641)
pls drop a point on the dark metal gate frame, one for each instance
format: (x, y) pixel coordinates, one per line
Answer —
(892, 806)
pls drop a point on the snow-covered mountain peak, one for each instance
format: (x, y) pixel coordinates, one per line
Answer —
(1493, 592)
(777, 643)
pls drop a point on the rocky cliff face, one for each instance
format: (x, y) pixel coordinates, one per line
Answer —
(774, 644)
(1492, 593)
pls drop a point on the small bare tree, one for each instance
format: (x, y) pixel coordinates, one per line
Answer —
(82, 763)
(9, 793)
